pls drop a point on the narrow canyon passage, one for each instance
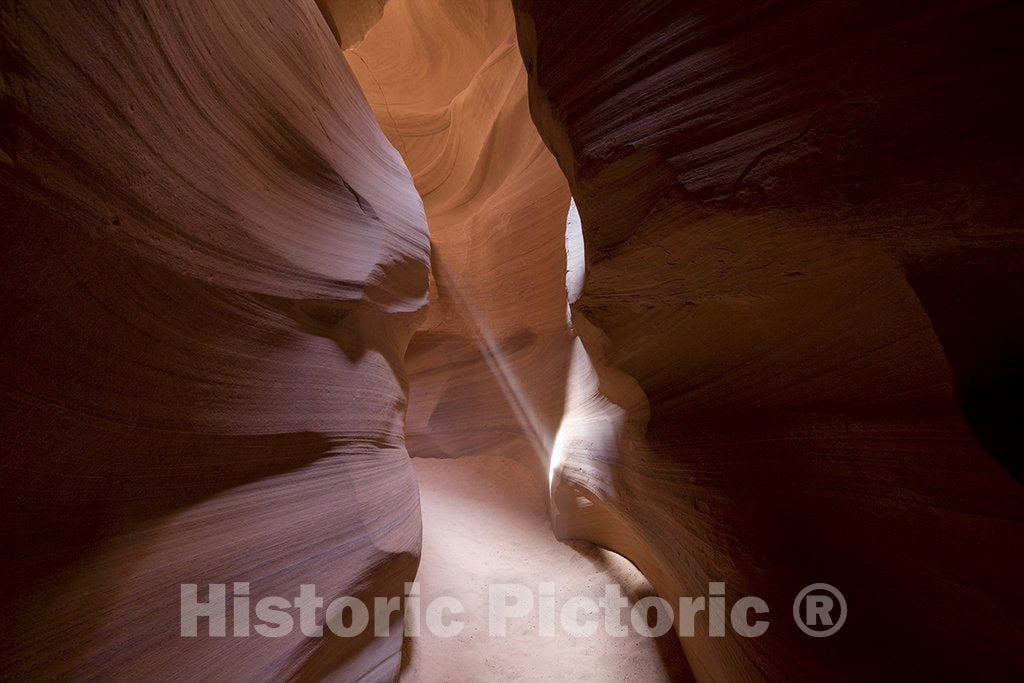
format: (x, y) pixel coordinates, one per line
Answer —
(292, 317)
(490, 368)
(485, 522)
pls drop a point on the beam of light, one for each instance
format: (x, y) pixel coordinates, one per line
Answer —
(516, 397)
(548, 447)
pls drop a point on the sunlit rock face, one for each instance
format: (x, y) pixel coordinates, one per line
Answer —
(213, 263)
(488, 368)
(804, 271)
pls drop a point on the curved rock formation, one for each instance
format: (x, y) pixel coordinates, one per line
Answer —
(791, 352)
(214, 262)
(488, 368)
(802, 248)
(351, 19)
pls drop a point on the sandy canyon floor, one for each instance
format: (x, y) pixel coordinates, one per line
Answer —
(484, 522)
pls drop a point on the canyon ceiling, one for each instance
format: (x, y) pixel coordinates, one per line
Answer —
(797, 354)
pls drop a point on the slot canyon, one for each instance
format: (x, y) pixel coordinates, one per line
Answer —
(409, 304)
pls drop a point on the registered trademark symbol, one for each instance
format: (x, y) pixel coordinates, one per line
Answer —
(819, 610)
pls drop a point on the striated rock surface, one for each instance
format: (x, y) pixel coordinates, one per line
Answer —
(213, 263)
(792, 353)
(487, 369)
(800, 327)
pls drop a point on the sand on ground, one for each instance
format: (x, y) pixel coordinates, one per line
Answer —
(484, 522)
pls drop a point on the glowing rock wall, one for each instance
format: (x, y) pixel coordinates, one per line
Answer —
(488, 369)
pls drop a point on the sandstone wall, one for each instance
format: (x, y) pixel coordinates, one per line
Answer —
(213, 262)
(804, 273)
(488, 367)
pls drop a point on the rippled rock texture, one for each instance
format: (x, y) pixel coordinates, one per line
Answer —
(794, 357)
(804, 272)
(213, 263)
(489, 366)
